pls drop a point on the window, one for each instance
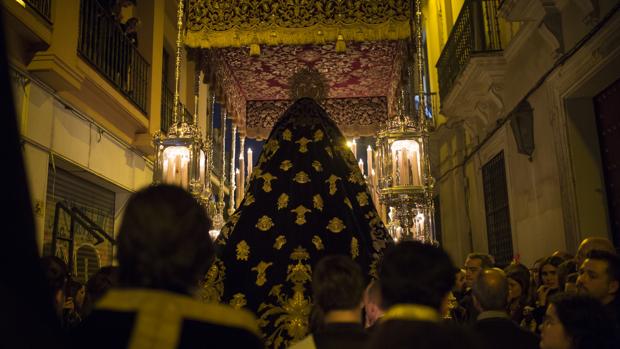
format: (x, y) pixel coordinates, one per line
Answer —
(497, 211)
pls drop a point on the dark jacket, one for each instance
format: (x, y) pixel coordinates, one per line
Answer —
(341, 336)
(501, 332)
(148, 317)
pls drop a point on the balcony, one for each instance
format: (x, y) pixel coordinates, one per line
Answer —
(471, 65)
(103, 44)
(41, 7)
(167, 111)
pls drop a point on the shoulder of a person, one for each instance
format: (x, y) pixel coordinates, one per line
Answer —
(306, 343)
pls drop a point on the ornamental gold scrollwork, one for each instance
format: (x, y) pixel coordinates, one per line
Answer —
(264, 223)
(287, 135)
(238, 301)
(336, 225)
(267, 178)
(222, 23)
(282, 201)
(317, 166)
(286, 165)
(332, 183)
(301, 214)
(303, 144)
(279, 243)
(301, 177)
(289, 313)
(318, 243)
(355, 250)
(318, 135)
(362, 198)
(261, 270)
(317, 202)
(243, 251)
(212, 285)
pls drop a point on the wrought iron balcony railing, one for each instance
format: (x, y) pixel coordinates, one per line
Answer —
(167, 111)
(475, 32)
(105, 46)
(42, 7)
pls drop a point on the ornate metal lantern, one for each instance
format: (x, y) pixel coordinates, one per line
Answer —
(181, 156)
(405, 182)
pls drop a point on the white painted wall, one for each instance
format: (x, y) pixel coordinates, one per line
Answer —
(556, 199)
(49, 127)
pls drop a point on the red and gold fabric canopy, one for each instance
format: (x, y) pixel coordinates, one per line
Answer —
(294, 34)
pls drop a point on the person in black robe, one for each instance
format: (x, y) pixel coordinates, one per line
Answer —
(306, 198)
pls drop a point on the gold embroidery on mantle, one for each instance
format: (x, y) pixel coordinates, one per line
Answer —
(286, 165)
(356, 177)
(264, 223)
(355, 250)
(280, 241)
(261, 269)
(318, 243)
(286, 135)
(267, 178)
(332, 184)
(301, 177)
(303, 144)
(289, 314)
(301, 214)
(238, 301)
(282, 201)
(318, 135)
(335, 225)
(362, 198)
(249, 199)
(317, 202)
(317, 166)
(348, 203)
(243, 251)
(212, 285)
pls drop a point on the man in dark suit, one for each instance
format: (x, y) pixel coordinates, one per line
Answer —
(164, 249)
(490, 295)
(416, 280)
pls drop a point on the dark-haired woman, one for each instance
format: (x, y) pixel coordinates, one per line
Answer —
(576, 322)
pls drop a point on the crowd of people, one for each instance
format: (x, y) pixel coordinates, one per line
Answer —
(420, 299)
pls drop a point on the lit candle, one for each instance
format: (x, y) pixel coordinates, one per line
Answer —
(354, 148)
(404, 170)
(241, 182)
(415, 169)
(361, 165)
(238, 191)
(394, 167)
(249, 162)
(369, 162)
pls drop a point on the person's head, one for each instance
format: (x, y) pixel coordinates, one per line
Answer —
(518, 282)
(76, 290)
(592, 243)
(490, 290)
(474, 263)
(55, 272)
(164, 240)
(132, 24)
(459, 281)
(337, 284)
(548, 272)
(599, 276)
(415, 273)
(576, 322)
(564, 269)
(534, 272)
(570, 286)
(372, 303)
